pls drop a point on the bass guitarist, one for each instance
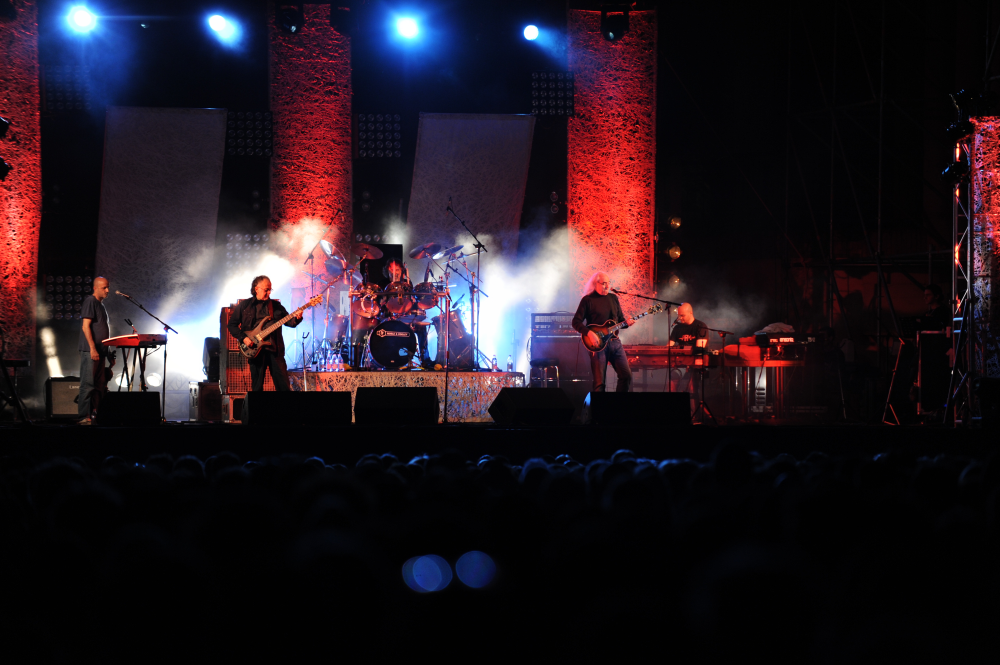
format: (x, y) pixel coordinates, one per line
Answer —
(599, 306)
(245, 317)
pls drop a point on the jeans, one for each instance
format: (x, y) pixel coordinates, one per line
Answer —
(612, 353)
(279, 371)
(92, 384)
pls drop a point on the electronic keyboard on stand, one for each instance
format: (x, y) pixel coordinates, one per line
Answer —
(140, 342)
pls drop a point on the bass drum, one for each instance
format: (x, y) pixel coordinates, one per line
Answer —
(392, 344)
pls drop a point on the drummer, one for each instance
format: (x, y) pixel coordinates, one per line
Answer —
(400, 305)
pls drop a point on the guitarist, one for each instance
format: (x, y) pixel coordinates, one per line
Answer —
(245, 317)
(598, 306)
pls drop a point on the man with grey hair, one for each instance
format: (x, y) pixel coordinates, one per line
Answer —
(597, 307)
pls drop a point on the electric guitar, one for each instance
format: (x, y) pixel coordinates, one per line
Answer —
(260, 334)
(610, 329)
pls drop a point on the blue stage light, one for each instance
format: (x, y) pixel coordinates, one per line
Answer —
(217, 23)
(81, 19)
(531, 33)
(407, 27)
(226, 30)
(475, 569)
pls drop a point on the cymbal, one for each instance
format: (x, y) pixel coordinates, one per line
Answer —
(335, 267)
(316, 277)
(448, 252)
(327, 248)
(365, 251)
(425, 251)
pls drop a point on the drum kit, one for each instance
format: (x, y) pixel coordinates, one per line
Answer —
(386, 328)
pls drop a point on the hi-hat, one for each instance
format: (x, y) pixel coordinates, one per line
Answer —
(448, 252)
(425, 251)
(365, 251)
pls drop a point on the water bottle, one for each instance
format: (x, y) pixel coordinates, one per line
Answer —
(494, 367)
(510, 364)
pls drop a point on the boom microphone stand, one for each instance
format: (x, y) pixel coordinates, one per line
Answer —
(474, 284)
(670, 355)
(166, 329)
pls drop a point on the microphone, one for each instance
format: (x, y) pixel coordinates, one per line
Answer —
(449, 203)
(123, 295)
(615, 291)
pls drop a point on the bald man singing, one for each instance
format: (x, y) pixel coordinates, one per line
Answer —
(93, 354)
(597, 307)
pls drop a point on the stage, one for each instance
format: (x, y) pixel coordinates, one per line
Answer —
(469, 394)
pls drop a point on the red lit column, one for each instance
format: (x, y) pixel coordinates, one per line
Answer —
(311, 101)
(985, 239)
(21, 192)
(611, 176)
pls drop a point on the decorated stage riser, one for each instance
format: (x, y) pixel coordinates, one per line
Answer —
(469, 393)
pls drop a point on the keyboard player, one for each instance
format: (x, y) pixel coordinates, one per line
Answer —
(688, 332)
(93, 354)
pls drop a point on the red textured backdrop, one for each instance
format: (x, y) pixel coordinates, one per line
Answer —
(311, 100)
(986, 240)
(21, 192)
(612, 156)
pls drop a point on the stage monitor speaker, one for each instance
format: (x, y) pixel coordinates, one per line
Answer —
(531, 406)
(642, 409)
(568, 351)
(129, 409)
(396, 406)
(297, 408)
(60, 396)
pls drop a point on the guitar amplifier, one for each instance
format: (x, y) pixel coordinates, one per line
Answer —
(234, 372)
(552, 323)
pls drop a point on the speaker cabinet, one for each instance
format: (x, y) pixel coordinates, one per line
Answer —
(297, 408)
(204, 401)
(629, 409)
(531, 406)
(396, 406)
(60, 396)
(567, 350)
(129, 409)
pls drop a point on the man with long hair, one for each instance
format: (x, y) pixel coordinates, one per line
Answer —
(246, 316)
(598, 307)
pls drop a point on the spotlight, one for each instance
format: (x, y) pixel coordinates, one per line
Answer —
(675, 222)
(4, 124)
(4, 169)
(290, 16)
(217, 23)
(957, 172)
(81, 19)
(407, 27)
(674, 280)
(531, 33)
(614, 22)
(674, 252)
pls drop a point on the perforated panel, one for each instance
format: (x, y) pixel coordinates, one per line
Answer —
(612, 156)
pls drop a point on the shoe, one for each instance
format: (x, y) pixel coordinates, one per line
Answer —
(84, 421)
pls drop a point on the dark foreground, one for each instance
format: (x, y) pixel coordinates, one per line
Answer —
(797, 544)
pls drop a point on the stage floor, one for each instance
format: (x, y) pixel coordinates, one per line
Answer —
(469, 394)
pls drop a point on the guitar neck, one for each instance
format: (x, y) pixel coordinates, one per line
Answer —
(619, 326)
(277, 324)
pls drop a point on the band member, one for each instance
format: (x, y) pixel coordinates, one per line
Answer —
(687, 332)
(396, 272)
(95, 329)
(938, 313)
(246, 316)
(597, 307)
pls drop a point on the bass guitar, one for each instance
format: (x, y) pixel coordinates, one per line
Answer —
(610, 329)
(260, 334)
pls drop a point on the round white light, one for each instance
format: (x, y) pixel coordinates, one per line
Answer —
(531, 33)
(407, 27)
(82, 19)
(217, 23)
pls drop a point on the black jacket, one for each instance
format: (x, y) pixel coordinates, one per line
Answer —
(241, 320)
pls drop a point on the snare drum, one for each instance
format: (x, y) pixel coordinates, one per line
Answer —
(392, 344)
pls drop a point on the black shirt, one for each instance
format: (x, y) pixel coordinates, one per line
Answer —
(597, 310)
(94, 310)
(685, 334)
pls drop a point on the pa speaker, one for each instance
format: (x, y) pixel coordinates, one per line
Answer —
(60, 396)
(129, 409)
(531, 406)
(396, 406)
(297, 408)
(624, 409)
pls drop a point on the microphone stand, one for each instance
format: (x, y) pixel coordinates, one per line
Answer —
(670, 354)
(480, 247)
(310, 259)
(729, 387)
(166, 329)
